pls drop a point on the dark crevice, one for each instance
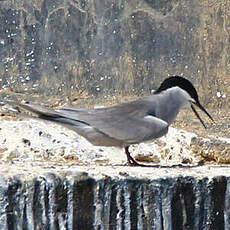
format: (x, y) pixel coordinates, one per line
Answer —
(218, 199)
(83, 204)
(183, 202)
(113, 208)
(14, 186)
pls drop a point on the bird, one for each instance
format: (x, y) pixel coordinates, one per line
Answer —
(127, 123)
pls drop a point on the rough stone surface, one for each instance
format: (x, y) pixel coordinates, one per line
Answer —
(212, 149)
(69, 184)
(31, 140)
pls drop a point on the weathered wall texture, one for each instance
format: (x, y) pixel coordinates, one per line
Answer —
(111, 46)
(80, 202)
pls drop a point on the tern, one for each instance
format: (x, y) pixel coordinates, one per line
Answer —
(128, 123)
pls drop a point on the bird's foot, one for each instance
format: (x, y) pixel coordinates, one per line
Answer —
(131, 161)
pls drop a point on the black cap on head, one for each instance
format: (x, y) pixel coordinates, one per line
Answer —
(188, 87)
(180, 82)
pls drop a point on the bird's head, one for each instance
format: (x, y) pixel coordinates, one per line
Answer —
(186, 85)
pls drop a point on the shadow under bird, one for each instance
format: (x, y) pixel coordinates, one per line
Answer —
(128, 123)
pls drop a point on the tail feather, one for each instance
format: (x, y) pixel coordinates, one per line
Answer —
(48, 114)
(36, 109)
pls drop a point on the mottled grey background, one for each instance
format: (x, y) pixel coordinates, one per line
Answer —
(108, 47)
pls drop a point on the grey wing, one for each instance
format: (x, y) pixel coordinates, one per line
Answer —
(135, 130)
(132, 126)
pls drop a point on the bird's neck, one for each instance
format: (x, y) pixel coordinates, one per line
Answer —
(170, 102)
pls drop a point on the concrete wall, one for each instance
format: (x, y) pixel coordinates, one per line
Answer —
(78, 201)
(109, 47)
